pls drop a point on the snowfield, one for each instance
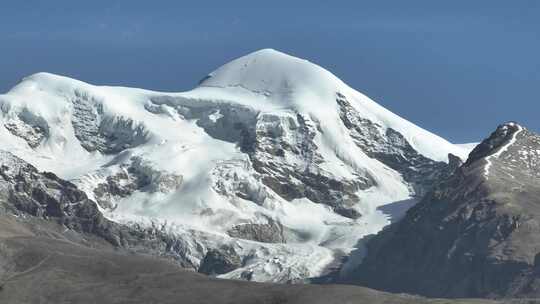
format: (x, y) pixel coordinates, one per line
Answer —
(239, 162)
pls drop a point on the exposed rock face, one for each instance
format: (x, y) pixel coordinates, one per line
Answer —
(137, 175)
(497, 139)
(233, 179)
(234, 124)
(283, 151)
(476, 234)
(272, 232)
(116, 186)
(29, 127)
(219, 261)
(26, 192)
(106, 134)
(391, 148)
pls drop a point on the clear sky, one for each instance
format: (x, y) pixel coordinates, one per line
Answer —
(457, 68)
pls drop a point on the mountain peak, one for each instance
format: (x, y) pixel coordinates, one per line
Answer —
(44, 81)
(268, 52)
(478, 218)
(495, 142)
(272, 72)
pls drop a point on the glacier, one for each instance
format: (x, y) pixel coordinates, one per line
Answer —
(271, 165)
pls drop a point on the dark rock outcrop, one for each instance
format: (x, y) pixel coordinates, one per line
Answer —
(283, 151)
(137, 175)
(33, 129)
(220, 261)
(392, 149)
(271, 232)
(475, 234)
(27, 192)
(95, 131)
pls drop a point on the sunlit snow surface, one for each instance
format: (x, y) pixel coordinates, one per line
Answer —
(264, 82)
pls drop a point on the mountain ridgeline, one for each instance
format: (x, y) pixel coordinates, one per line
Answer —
(475, 234)
(270, 170)
(231, 168)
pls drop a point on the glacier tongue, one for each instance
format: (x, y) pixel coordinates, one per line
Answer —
(272, 168)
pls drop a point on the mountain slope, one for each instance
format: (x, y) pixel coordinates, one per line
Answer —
(270, 164)
(57, 271)
(475, 234)
(54, 243)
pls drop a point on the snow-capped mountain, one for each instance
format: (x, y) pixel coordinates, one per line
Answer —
(272, 169)
(50, 232)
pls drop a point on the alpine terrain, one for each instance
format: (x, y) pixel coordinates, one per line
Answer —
(56, 247)
(475, 234)
(270, 170)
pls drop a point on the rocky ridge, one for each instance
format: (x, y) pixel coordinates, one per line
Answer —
(475, 234)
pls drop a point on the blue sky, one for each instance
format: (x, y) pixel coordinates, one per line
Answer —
(457, 68)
